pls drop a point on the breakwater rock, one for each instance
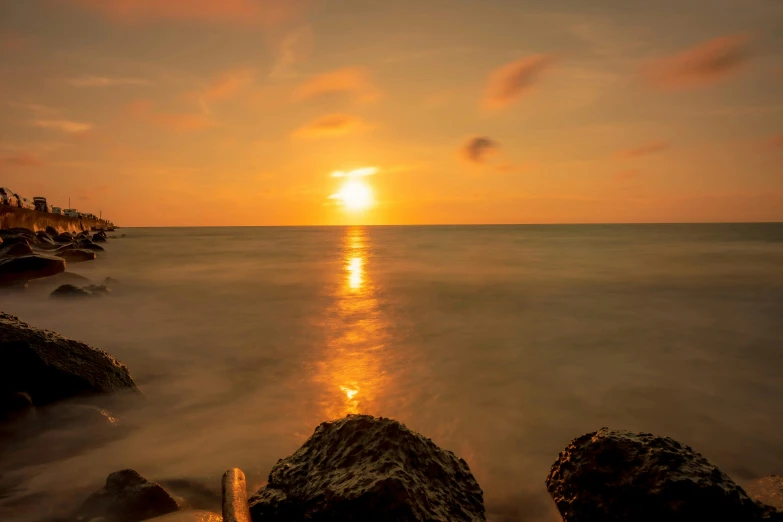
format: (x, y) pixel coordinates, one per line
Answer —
(619, 476)
(363, 468)
(49, 367)
(127, 497)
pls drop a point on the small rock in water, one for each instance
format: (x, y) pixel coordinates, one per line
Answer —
(76, 255)
(70, 292)
(613, 475)
(110, 281)
(15, 406)
(362, 468)
(25, 268)
(127, 497)
(63, 238)
(97, 289)
(89, 245)
(17, 249)
(97, 238)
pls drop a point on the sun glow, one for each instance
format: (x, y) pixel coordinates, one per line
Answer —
(355, 195)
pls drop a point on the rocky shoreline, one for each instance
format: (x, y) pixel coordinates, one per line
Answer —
(359, 468)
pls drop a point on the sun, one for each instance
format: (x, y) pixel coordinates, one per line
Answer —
(355, 195)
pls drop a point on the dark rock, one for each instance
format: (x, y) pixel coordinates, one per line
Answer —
(16, 249)
(15, 406)
(70, 292)
(63, 238)
(110, 281)
(620, 476)
(52, 232)
(19, 231)
(127, 497)
(362, 468)
(25, 268)
(43, 237)
(99, 239)
(195, 494)
(76, 255)
(50, 367)
(98, 290)
(89, 245)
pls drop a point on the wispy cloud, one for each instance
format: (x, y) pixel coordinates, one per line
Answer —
(647, 149)
(239, 12)
(355, 173)
(33, 107)
(510, 82)
(476, 150)
(295, 47)
(67, 126)
(353, 81)
(701, 65)
(177, 122)
(105, 81)
(22, 160)
(331, 126)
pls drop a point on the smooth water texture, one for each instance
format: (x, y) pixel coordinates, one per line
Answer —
(501, 343)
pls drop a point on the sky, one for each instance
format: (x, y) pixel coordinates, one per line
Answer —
(239, 112)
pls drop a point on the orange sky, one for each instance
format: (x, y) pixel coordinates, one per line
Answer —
(236, 112)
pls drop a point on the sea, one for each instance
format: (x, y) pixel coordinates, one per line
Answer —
(500, 343)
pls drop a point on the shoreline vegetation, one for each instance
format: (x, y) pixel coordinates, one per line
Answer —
(357, 468)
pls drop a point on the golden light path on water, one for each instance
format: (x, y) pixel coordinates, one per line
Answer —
(351, 375)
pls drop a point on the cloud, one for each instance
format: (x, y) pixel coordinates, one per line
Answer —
(295, 47)
(22, 160)
(698, 66)
(63, 125)
(178, 122)
(348, 80)
(228, 84)
(643, 150)
(239, 12)
(33, 107)
(330, 126)
(508, 83)
(103, 81)
(478, 149)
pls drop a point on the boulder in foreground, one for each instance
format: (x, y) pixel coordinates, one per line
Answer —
(69, 291)
(24, 268)
(363, 468)
(619, 476)
(127, 497)
(50, 367)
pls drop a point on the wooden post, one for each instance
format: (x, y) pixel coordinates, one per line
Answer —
(235, 508)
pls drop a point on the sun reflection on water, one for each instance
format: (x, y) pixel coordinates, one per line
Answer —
(351, 376)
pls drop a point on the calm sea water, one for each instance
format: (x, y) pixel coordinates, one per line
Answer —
(501, 343)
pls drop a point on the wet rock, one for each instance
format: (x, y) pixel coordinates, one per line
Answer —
(50, 367)
(76, 255)
(195, 494)
(621, 476)
(70, 292)
(97, 290)
(52, 232)
(99, 239)
(16, 406)
(19, 231)
(16, 249)
(63, 238)
(110, 281)
(27, 267)
(362, 468)
(43, 237)
(768, 490)
(89, 245)
(127, 497)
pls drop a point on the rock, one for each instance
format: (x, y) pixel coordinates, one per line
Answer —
(613, 475)
(97, 238)
(43, 237)
(24, 268)
(97, 290)
(52, 231)
(89, 245)
(110, 281)
(16, 250)
(195, 494)
(70, 292)
(15, 406)
(63, 238)
(768, 490)
(19, 231)
(127, 497)
(50, 367)
(77, 255)
(362, 468)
